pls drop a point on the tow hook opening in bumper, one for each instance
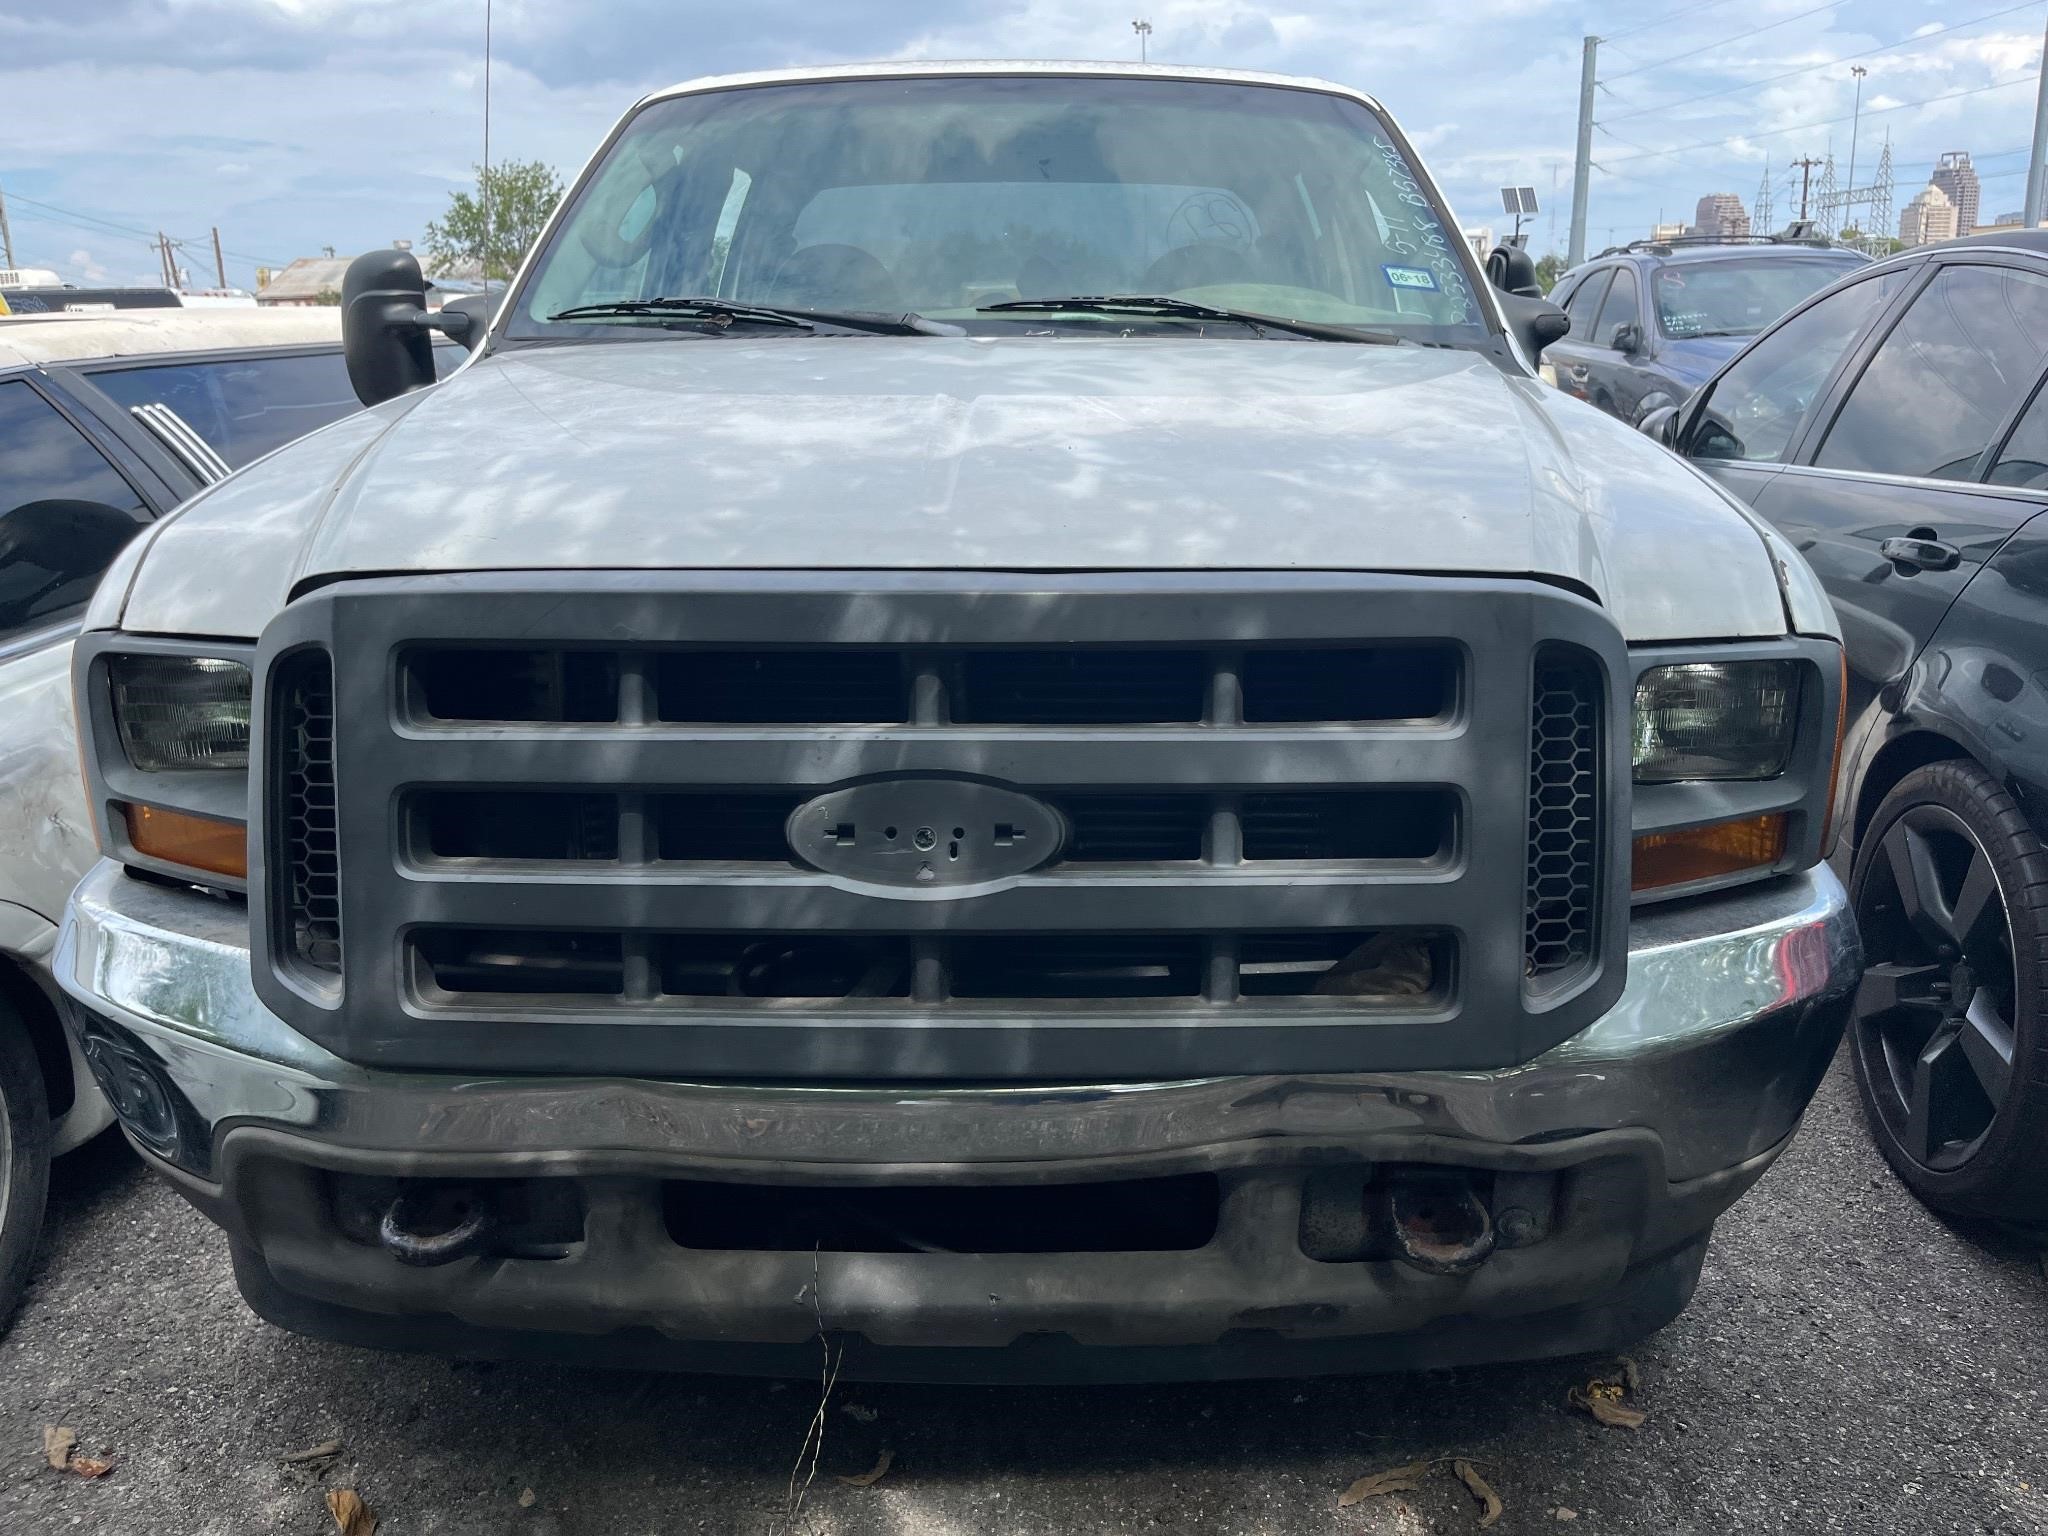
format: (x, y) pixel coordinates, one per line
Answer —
(429, 1224)
(1439, 1220)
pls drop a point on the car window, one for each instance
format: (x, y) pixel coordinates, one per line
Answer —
(1754, 408)
(1739, 296)
(1946, 377)
(2024, 459)
(243, 406)
(64, 513)
(1619, 308)
(1584, 305)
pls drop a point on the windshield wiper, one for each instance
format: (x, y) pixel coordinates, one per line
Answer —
(1695, 335)
(726, 312)
(1186, 309)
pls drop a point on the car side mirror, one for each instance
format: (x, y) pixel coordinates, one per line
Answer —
(1628, 338)
(1661, 424)
(1511, 269)
(1535, 322)
(467, 318)
(384, 326)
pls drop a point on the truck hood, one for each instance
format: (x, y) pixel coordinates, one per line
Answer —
(1011, 454)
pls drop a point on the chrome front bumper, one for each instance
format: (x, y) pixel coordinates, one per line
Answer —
(1653, 1120)
(1716, 1046)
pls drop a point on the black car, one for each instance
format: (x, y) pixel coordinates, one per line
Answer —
(1895, 428)
(1652, 321)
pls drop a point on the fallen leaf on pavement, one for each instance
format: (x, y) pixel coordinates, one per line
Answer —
(320, 1452)
(351, 1515)
(91, 1466)
(1562, 1513)
(1603, 1396)
(57, 1444)
(1480, 1489)
(874, 1474)
(860, 1413)
(1605, 1404)
(526, 1498)
(1394, 1480)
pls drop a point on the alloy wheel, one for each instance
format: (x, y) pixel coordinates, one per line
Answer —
(1933, 1016)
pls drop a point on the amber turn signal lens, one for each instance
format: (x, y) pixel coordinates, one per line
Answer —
(196, 842)
(1707, 853)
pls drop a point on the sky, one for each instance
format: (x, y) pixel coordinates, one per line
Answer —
(294, 125)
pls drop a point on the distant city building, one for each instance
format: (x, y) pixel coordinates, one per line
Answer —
(2004, 224)
(1662, 232)
(1957, 178)
(1480, 238)
(1720, 216)
(1928, 218)
(307, 281)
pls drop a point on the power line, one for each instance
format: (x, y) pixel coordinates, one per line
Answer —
(1693, 53)
(1680, 13)
(1903, 45)
(1828, 122)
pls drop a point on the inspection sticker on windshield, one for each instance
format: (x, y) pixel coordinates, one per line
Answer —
(1411, 277)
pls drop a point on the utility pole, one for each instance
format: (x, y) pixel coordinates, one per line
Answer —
(1144, 31)
(1582, 166)
(6, 236)
(1555, 164)
(1805, 168)
(2039, 161)
(1855, 123)
(163, 253)
(220, 267)
(484, 180)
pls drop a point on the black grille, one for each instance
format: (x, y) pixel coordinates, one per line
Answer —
(305, 699)
(1299, 823)
(1020, 686)
(1564, 816)
(1332, 826)
(1390, 969)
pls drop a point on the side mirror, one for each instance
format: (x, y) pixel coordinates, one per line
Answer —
(384, 326)
(1535, 322)
(467, 318)
(1510, 269)
(1660, 424)
(1628, 338)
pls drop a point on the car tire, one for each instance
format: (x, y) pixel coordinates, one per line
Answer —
(24, 1158)
(1950, 888)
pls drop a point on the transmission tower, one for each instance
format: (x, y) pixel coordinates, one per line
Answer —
(1763, 217)
(1882, 225)
(1827, 198)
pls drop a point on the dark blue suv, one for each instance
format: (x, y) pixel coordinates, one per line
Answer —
(1651, 322)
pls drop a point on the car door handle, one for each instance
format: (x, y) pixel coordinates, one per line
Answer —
(1921, 554)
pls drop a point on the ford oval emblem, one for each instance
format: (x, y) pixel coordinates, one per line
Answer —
(925, 833)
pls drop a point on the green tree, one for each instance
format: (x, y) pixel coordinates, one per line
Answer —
(1548, 270)
(522, 193)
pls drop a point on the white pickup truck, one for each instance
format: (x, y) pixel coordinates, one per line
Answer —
(997, 716)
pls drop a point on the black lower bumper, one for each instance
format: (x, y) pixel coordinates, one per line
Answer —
(1609, 1250)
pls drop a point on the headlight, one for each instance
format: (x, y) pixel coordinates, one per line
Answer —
(181, 712)
(1715, 720)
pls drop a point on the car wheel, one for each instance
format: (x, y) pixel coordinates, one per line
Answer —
(1950, 888)
(24, 1158)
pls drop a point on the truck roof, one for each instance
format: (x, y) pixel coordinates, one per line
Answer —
(926, 67)
(70, 338)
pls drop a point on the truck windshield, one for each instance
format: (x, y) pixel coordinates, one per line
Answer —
(1738, 297)
(941, 196)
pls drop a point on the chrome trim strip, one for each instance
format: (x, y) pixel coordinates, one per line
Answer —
(1716, 1045)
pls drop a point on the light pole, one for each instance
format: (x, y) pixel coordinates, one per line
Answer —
(1144, 31)
(1855, 123)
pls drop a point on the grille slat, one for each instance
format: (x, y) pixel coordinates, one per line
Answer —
(307, 795)
(1564, 808)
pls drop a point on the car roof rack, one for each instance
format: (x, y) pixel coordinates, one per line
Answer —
(1798, 232)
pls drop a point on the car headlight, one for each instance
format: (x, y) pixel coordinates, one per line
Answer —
(1734, 761)
(179, 712)
(165, 728)
(1715, 720)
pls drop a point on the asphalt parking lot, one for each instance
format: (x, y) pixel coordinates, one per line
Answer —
(1849, 1364)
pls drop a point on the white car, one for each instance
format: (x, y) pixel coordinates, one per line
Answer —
(107, 421)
